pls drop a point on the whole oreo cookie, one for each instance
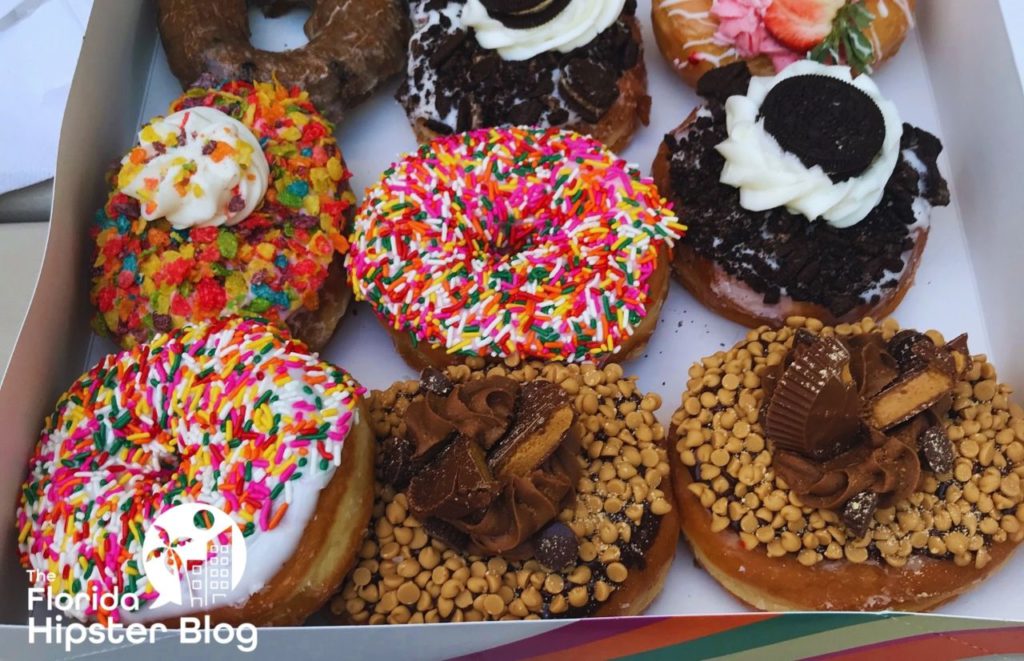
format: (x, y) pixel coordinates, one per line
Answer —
(825, 121)
(524, 14)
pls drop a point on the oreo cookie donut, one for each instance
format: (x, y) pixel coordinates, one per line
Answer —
(565, 63)
(854, 467)
(354, 46)
(696, 36)
(513, 241)
(804, 195)
(236, 203)
(520, 491)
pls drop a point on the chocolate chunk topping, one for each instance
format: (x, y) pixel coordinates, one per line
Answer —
(556, 546)
(720, 83)
(825, 121)
(937, 449)
(435, 381)
(859, 512)
(777, 253)
(589, 88)
(396, 461)
(524, 14)
(911, 349)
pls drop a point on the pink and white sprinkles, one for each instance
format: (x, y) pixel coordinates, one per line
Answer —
(234, 414)
(508, 241)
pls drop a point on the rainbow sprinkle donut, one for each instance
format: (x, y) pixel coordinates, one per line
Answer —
(233, 414)
(540, 243)
(150, 277)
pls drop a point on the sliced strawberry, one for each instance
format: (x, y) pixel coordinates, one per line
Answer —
(801, 24)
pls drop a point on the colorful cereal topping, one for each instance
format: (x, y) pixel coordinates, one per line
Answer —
(234, 414)
(149, 277)
(502, 241)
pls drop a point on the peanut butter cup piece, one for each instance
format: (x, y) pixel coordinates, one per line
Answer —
(826, 122)
(871, 365)
(543, 417)
(911, 394)
(456, 484)
(813, 411)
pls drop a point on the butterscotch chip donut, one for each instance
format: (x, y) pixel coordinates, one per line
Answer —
(621, 515)
(951, 517)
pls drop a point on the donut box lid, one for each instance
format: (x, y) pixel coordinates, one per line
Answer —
(969, 95)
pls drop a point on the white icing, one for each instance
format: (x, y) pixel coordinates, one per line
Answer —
(770, 177)
(575, 26)
(163, 185)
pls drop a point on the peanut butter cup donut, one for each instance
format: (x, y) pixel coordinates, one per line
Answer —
(520, 491)
(509, 241)
(576, 64)
(696, 36)
(236, 203)
(855, 467)
(354, 46)
(804, 195)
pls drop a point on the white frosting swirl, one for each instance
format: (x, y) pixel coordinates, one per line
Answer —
(576, 25)
(196, 167)
(770, 177)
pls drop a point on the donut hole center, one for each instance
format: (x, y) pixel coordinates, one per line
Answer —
(278, 26)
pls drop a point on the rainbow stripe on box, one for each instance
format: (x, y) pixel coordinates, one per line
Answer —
(758, 636)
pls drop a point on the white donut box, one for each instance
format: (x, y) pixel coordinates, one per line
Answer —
(955, 77)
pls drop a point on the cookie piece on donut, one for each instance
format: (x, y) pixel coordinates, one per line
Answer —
(354, 46)
(237, 202)
(515, 241)
(520, 490)
(576, 64)
(804, 194)
(233, 414)
(817, 468)
(697, 36)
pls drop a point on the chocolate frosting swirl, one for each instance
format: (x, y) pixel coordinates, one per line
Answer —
(827, 384)
(479, 410)
(493, 459)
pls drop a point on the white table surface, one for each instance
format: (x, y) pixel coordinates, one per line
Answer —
(21, 245)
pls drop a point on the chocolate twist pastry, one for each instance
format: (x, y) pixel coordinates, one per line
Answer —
(354, 46)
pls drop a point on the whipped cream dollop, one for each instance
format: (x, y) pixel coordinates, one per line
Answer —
(196, 167)
(576, 25)
(768, 176)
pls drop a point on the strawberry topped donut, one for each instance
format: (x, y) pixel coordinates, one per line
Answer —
(696, 36)
(540, 243)
(236, 203)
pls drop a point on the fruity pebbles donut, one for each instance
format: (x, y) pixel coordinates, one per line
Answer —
(234, 414)
(237, 202)
(496, 242)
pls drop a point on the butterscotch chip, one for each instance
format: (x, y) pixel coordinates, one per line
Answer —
(617, 572)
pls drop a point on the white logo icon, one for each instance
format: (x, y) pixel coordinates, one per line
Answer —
(194, 555)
